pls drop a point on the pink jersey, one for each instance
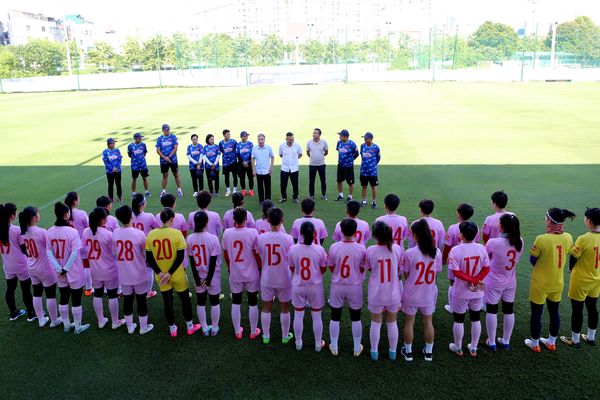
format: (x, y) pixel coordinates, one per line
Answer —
(13, 258)
(437, 231)
(61, 241)
(503, 260)
(307, 262)
(144, 222)
(348, 262)
(385, 286)
(99, 252)
(263, 225)
(362, 235)
(240, 244)
(491, 225)
(453, 236)
(79, 220)
(320, 229)
(35, 242)
(420, 288)
(202, 246)
(469, 258)
(274, 250)
(111, 224)
(229, 223)
(129, 247)
(399, 225)
(214, 222)
(178, 223)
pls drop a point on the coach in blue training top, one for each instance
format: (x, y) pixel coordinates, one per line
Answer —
(137, 152)
(112, 161)
(262, 168)
(166, 147)
(227, 147)
(347, 153)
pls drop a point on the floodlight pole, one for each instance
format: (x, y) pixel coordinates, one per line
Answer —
(432, 54)
(523, 52)
(535, 45)
(1, 88)
(443, 43)
(158, 60)
(346, 79)
(455, 49)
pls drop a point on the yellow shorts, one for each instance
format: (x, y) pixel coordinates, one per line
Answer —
(539, 296)
(178, 281)
(578, 290)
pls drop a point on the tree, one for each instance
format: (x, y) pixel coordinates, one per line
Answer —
(313, 51)
(133, 54)
(179, 51)
(154, 51)
(404, 54)
(103, 56)
(9, 63)
(271, 50)
(41, 57)
(580, 37)
(494, 41)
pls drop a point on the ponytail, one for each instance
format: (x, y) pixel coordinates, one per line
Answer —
(60, 209)
(136, 203)
(512, 228)
(383, 234)
(25, 218)
(420, 229)
(7, 210)
(559, 215)
(70, 200)
(96, 217)
(307, 230)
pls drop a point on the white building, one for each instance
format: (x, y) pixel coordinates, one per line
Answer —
(82, 31)
(25, 26)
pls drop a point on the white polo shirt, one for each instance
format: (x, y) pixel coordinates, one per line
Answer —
(289, 156)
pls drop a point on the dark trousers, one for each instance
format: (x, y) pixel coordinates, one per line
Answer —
(210, 179)
(312, 174)
(114, 178)
(264, 187)
(230, 169)
(197, 179)
(293, 176)
(244, 172)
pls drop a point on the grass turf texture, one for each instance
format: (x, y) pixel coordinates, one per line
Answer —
(54, 139)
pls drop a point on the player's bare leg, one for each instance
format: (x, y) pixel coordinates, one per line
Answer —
(428, 333)
(133, 185)
(265, 321)
(165, 180)
(145, 184)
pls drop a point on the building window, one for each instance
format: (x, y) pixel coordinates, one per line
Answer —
(27, 28)
(43, 29)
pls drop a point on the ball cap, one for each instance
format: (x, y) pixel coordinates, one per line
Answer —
(368, 135)
(344, 132)
(110, 141)
(138, 136)
(166, 127)
(243, 133)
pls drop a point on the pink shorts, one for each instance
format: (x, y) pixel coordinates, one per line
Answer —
(492, 295)
(391, 308)
(412, 310)
(284, 295)
(214, 288)
(140, 288)
(47, 278)
(351, 294)
(64, 281)
(239, 287)
(107, 284)
(461, 306)
(22, 274)
(314, 295)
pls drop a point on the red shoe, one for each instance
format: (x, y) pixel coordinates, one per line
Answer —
(251, 193)
(551, 347)
(173, 332)
(193, 329)
(151, 294)
(238, 336)
(255, 334)
(244, 192)
(89, 292)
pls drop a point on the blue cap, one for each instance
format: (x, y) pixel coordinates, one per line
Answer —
(243, 133)
(344, 132)
(110, 141)
(138, 136)
(368, 135)
(166, 127)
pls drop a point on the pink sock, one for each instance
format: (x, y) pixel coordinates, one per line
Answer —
(64, 314)
(317, 327)
(491, 323)
(459, 330)
(77, 313)
(113, 306)
(356, 334)
(52, 310)
(215, 315)
(201, 311)
(509, 324)
(334, 333)
(236, 317)
(253, 311)
(392, 328)
(98, 308)
(284, 319)
(143, 322)
(298, 325)
(265, 321)
(375, 334)
(38, 307)
(88, 278)
(475, 332)
(129, 320)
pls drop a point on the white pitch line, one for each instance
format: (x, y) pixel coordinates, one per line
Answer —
(75, 190)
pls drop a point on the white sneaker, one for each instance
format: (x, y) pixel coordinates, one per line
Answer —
(56, 323)
(179, 193)
(472, 350)
(131, 328)
(133, 194)
(195, 194)
(448, 309)
(455, 349)
(235, 190)
(118, 323)
(149, 327)
(81, 328)
(43, 321)
(227, 193)
(67, 327)
(102, 324)
(163, 192)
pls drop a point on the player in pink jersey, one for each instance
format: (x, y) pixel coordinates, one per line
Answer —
(385, 287)
(363, 230)
(205, 258)
(79, 221)
(98, 244)
(469, 264)
(435, 225)
(420, 265)
(63, 247)
(263, 225)
(14, 262)
(144, 222)
(43, 276)
(491, 225)
(214, 220)
(169, 200)
(308, 209)
(308, 263)
(464, 212)
(501, 283)
(111, 222)
(129, 249)
(276, 281)
(347, 264)
(239, 244)
(237, 199)
(398, 223)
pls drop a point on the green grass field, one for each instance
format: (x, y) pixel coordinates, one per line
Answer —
(449, 142)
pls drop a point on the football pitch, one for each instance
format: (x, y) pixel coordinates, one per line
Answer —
(451, 142)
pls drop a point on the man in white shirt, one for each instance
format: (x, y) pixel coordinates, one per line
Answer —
(262, 167)
(290, 152)
(317, 149)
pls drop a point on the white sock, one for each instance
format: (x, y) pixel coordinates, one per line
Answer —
(428, 347)
(408, 347)
(190, 324)
(575, 337)
(591, 334)
(535, 342)
(551, 340)
(341, 194)
(350, 196)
